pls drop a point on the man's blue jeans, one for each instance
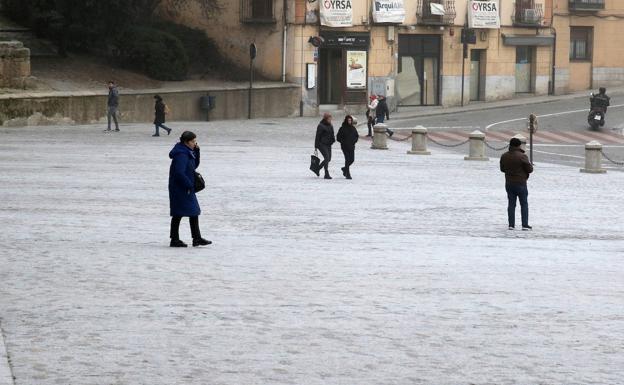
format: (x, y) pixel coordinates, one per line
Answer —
(380, 118)
(520, 192)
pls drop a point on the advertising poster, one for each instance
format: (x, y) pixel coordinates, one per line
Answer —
(483, 14)
(336, 13)
(388, 11)
(356, 69)
(312, 8)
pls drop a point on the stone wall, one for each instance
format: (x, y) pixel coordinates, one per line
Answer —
(279, 100)
(14, 64)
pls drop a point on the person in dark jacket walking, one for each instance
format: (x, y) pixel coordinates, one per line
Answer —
(159, 115)
(382, 112)
(347, 136)
(323, 142)
(517, 167)
(182, 199)
(112, 105)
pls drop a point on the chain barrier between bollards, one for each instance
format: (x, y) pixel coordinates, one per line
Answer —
(447, 145)
(615, 162)
(488, 145)
(400, 140)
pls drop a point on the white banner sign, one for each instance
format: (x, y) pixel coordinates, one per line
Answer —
(356, 69)
(483, 14)
(336, 13)
(388, 11)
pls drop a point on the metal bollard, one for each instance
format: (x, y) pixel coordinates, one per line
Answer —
(593, 158)
(477, 146)
(379, 137)
(523, 140)
(419, 141)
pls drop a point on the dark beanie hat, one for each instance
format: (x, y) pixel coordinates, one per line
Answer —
(515, 142)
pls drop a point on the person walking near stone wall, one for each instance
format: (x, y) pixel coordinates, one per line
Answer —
(348, 136)
(182, 199)
(112, 105)
(517, 167)
(323, 142)
(160, 111)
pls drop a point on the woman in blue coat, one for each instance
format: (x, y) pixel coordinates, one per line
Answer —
(182, 200)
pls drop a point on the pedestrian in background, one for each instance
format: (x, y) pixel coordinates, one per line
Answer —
(323, 142)
(182, 199)
(347, 136)
(160, 111)
(517, 167)
(383, 112)
(112, 105)
(370, 113)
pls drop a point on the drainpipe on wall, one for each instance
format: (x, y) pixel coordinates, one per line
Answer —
(553, 31)
(284, 37)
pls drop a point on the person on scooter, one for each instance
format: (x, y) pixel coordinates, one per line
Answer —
(600, 102)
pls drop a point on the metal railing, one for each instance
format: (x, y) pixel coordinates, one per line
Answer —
(528, 16)
(586, 5)
(442, 12)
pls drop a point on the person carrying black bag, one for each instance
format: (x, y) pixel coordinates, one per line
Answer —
(185, 157)
(323, 142)
(347, 136)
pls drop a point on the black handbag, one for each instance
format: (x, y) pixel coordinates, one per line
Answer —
(200, 184)
(315, 163)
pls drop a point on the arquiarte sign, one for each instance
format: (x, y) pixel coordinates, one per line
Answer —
(483, 14)
(353, 39)
(388, 11)
(336, 13)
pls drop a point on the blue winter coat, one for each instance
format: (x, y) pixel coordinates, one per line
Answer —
(182, 199)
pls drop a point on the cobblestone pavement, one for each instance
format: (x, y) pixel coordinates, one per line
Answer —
(405, 275)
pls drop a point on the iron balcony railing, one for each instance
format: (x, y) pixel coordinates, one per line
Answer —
(586, 5)
(528, 16)
(442, 12)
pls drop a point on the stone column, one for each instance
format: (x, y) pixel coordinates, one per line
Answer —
(593, 158)
(523, 140)
(419, 141)
(380, 139)
(477, 146)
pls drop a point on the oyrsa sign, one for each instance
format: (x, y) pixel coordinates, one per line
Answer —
(388, 11)
(336, 13)
(483, 14)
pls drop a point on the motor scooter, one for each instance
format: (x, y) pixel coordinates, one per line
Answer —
(597, 114)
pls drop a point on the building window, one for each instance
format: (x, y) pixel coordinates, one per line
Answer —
(257, 11)
(580, 43)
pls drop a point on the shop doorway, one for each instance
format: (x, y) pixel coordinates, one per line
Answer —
(477, 75)
(418, 78)
(525, 68)
(331, 80)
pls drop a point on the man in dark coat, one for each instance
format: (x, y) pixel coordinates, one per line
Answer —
(382, 113)
(323, 142)
(112, 105)
(159, 115)
(182, 199)
(347, 136)
(517, 167)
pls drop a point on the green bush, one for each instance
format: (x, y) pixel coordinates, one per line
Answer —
(158, 54)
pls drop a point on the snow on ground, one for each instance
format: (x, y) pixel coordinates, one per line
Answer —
(404, 275)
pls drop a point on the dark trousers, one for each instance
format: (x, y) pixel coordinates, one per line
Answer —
(175, 227)
(370, 123)
(162, 125)
(349, 155)
(520, 192)
(326, 152)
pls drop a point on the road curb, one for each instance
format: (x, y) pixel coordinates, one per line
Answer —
(6, 375)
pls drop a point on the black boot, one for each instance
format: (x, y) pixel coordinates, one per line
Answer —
(177, 243)
(201, 242)
(327, 176)
(344, 171)
(348, 173)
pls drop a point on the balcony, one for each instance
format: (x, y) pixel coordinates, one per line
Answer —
(528, 16)
(586, 5)
(436, 12)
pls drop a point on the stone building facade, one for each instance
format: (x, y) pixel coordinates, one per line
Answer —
(14, 64)
(341, 51)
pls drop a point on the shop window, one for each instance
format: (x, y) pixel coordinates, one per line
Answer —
(257, 11)
(580, 43)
